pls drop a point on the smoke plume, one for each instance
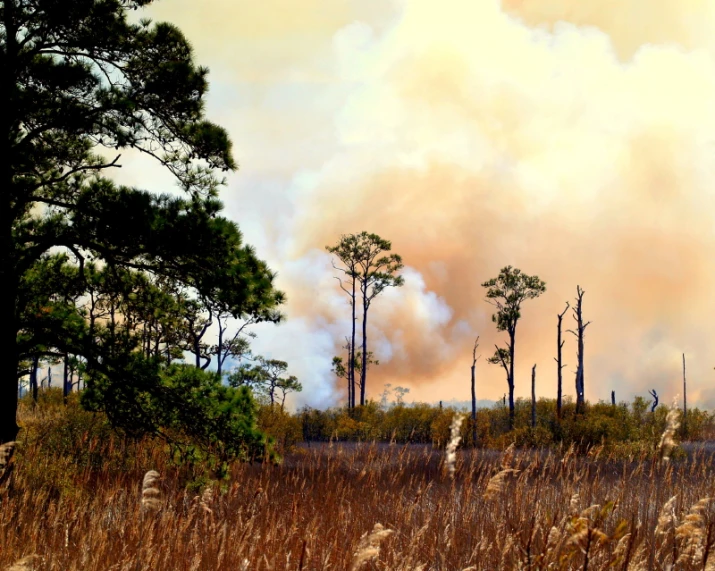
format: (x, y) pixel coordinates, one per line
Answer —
(573, 140)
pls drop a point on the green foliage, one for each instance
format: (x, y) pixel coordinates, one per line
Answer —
(617, 427)
(266, 378)
(202, 419)
(370, 273)
(508, 291)
(284, 428)
(84, 84)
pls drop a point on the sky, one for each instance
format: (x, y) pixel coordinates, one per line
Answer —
(573, 140)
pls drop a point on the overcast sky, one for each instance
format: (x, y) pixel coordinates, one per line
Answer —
(574, 140)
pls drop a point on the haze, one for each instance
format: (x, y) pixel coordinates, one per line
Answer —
(573, 140)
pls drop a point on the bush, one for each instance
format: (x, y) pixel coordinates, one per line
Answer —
(201, 419)
(284, 428)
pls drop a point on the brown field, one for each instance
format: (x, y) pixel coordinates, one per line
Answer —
(511, 510)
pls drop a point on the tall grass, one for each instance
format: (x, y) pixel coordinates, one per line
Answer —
(356, 506)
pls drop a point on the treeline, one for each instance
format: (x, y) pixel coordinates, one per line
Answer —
(599, 424)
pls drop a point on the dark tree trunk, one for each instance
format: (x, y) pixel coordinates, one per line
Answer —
(219, 349)
(474, 394)
(685, 401)
(512, 337)
(8, 389)
(65, 380)
(559, 363)
(33, 378)
(9, 210)
(579, 333)
(351, 358)
(613, 398)
(350, 374)
(533, 397)
(9, 381)
(364, 364)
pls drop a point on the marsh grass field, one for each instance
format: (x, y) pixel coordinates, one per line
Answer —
(76, 502)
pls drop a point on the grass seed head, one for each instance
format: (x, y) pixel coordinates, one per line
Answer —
(369, 546)
(454, 440)
(6, 452)
(151, 496)
(25, 564)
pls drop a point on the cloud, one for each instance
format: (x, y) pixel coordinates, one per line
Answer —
(572, 140)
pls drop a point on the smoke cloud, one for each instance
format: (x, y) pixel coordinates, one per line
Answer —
(572, 140)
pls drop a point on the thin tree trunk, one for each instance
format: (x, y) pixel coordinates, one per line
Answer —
(474, 393)
(613, 398)
(33, 378)
(350, 375)
(559, 363)
(579, 333)
(512, 351)
(219, 348)
(533, 397)
(65, 380)
(363, 368)
(351, 367)
(685, 401)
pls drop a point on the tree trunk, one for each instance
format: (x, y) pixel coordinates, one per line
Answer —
(474, 394)
(579, 333)
(219, 349)
(363, 368)
(65, 380)
(33, 378)
(8, 400)
(512, 337)
(559, 363)
(613, 398)
(685, 401)
(533, 397)
(9, 278)
(9, 383)
(351, 364)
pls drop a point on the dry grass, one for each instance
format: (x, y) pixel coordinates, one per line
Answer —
(356, 506)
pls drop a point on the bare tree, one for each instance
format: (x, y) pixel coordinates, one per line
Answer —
(579, 333)
(559, 364)
(474, 392)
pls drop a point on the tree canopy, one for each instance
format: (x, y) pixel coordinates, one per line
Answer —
(370, 271)
(79, 84)
(506, 293)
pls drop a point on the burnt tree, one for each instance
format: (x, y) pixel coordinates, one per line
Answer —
(579, 333)
(474, 392)
(559, 363)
